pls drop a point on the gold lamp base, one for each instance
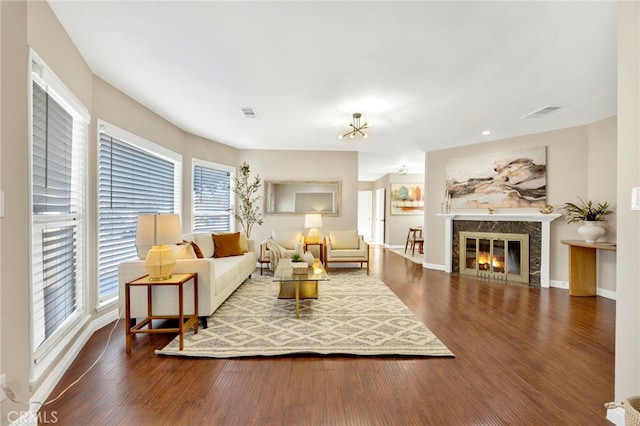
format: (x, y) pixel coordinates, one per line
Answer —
(160, 263)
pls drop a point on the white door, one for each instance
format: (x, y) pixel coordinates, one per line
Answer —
(365, 208)
(378, 235)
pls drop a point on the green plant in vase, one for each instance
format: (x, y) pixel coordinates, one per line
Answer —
(589, 213)
(296, 258)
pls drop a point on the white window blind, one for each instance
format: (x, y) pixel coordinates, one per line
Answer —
(212, 197)
(58, 136)
(132, 181)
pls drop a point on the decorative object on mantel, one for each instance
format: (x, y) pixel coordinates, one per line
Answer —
(490, 210)
(588, 213)
(445, 202)
(546, 209)
(246, 189)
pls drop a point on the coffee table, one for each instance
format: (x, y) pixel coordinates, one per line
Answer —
(299, 286)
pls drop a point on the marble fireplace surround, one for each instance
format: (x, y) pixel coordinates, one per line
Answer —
(520, 221)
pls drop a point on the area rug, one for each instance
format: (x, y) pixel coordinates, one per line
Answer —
(417, 257)
(354, 314)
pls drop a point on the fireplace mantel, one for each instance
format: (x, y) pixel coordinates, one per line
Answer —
(544, 219)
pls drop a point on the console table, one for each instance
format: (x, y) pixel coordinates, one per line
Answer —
(582, 266)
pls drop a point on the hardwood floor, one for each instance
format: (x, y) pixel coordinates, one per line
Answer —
(523, 357)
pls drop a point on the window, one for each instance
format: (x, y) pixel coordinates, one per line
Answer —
(212, 197)
(59, 125)
(135, 177)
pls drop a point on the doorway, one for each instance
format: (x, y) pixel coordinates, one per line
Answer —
(378, 235)
(365, 210)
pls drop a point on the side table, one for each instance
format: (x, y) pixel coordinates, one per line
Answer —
(582, 266)
(177, 280)
(320, 245)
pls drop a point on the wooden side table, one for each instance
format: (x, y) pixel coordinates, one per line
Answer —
(320, 245)
(177, 280)
(582, 266)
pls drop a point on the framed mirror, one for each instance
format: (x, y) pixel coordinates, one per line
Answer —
(301, 197)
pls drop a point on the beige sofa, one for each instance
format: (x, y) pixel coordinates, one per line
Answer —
(218, 277)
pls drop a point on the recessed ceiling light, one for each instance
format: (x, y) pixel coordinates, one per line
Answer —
(486, 132)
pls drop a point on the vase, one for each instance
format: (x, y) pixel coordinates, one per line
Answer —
(308, 257)
(591, 231)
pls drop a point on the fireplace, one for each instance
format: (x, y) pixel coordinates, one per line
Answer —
(499, 256)
(536, 225)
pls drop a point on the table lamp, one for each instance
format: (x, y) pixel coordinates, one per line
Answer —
(157, 231)
(313, 221)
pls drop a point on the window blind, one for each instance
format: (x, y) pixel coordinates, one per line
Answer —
(212, 199)
(132, 181)
(57, 187)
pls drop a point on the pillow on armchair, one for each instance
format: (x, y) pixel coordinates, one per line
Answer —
(342, 240)
(287, 239)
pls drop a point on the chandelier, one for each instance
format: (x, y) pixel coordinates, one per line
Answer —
(357, 127)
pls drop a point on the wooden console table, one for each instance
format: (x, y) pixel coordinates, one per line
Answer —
(582, 266)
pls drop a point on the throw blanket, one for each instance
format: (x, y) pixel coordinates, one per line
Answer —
(276, 252)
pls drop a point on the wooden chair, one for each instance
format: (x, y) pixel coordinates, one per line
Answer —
(414, 238)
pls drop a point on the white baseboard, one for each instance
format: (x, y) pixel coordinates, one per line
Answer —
(28, 418)
(559, 284)
(435, 266)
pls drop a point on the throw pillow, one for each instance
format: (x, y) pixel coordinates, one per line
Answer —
(205, 242)
(195, 247)
(344, 239)
(183, 251)
(226, 244)
(244, 243)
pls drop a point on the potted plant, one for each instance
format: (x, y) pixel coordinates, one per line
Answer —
(245, 188)
(589, 214)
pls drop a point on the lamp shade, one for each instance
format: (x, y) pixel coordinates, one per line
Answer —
(158, 230)
(313, 220)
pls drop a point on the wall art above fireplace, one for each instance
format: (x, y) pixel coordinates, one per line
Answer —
(503, 179)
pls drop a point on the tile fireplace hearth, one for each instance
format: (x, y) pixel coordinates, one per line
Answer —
(536, 225)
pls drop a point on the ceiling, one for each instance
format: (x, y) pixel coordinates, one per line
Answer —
(430, 75)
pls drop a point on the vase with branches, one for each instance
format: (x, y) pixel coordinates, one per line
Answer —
(246, 188)
(586, 211)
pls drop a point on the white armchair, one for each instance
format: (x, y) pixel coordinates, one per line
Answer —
(346, 247)
(281, 245)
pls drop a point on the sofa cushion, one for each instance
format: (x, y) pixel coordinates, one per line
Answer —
(183, 251)
(227, 244)
(344, 239)
(204, 242)
(287, 239)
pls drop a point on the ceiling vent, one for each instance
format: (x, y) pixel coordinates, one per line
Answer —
(249, 112)
(546, 110)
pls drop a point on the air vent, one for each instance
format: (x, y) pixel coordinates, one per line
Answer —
(249, 112)
(546, 110)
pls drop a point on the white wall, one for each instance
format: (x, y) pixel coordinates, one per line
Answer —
(627, 370)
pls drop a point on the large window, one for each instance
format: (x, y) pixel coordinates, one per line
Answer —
(212, 197)
(135, 177)
(59, 125)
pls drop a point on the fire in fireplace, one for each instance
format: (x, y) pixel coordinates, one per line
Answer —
(495, 255)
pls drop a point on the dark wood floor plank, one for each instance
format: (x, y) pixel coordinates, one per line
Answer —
(522, 356)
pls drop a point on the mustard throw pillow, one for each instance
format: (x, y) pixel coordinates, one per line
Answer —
(226, 244)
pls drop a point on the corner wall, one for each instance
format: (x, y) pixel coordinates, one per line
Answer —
(627, 369)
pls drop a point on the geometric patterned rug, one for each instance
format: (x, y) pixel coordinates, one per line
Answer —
(354, 314)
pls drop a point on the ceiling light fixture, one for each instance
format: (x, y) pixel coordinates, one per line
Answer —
(403, 170)
(357, 127)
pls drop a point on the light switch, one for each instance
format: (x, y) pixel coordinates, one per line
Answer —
(635, 198)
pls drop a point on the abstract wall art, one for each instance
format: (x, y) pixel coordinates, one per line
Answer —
(504, 179)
